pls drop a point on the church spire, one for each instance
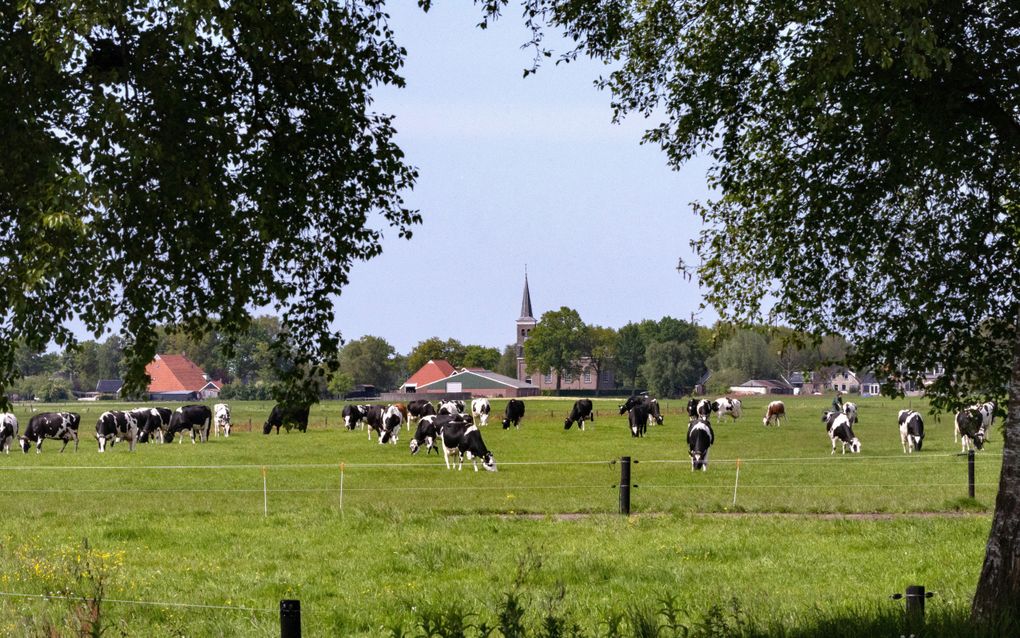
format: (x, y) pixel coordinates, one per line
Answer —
(526, 312)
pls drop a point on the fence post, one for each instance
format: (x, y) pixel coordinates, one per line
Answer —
(736, 482)
(290, 619)
(970, 476)
(915, 604)
(625, 485)
(265, 492)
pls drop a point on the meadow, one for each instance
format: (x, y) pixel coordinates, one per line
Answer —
(235, 525)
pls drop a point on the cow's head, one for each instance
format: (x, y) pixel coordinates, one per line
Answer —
(506, 424)
(489, 462)
(567, 423)
(414, 446)
(698, 461)
(23, 442)
(979, 438)
(855, 445)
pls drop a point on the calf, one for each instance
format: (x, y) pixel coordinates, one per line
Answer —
(8, 430)
(354, 413)
(773, 413)
(466, 440)
(221, 419)
(51, 425)
(911, 430)
(418, 409)
(287, 417)
(196, 419)
(728, 407)
(480, 408)
(971, 426)
(513, 414)
(841, 431)
(115, 425)
(581, 412)
(699, 438)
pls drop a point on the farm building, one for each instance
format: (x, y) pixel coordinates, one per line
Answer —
(434, 370)
(480, 383)
(176, 378)
(762, 386)
(845, 381)
(808, 382)
(109, 386)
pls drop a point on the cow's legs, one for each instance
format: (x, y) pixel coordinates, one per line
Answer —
(446, 456)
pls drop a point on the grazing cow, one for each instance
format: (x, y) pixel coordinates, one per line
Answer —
(480, 408)
(50, 425)
(911, 430)
(196, 419)
(221, 419)
(513, 414)
(699, 438)
(726, 406)
(466, 440)
(354, 413)
(581, 412)
(654, 416)
(418, 409)
(773, 413)
(8, 430)
(633, 400)
(426, 433)
(287, 417)
(384, 421)
(393, 417)
(850, 409)
(638, 417)
(152, 421)
(841, 431)
(115, 425)
(971, 426)
(452, 407)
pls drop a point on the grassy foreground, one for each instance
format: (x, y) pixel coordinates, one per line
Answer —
(811, 536)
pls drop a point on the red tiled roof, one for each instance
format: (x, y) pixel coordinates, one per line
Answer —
(434, 370)
(175, 373)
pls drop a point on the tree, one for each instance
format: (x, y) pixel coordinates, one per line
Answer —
(673, 368)
(556, 344)
(435, 348)
(866, 158)
(600, 346)
(341, 384)
(630, 353)
(179, 163)
(507, 365)
(748, 352)
(372, 361)
(480, 357)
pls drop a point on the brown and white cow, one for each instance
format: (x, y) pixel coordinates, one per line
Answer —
(773, 413)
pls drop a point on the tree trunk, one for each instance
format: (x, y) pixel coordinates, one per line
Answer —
(559, 378)
(998, 590)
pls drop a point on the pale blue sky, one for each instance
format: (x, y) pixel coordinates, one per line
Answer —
(518, 170)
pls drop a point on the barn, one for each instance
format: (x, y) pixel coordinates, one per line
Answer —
(480, 383)
(433, 370)
(176, 378)
(762, 386)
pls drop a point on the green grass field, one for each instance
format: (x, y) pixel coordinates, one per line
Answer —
(186, 523)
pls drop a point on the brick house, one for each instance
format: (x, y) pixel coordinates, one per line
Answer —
(175, 377)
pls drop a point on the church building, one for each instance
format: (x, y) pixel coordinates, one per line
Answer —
(586, 380)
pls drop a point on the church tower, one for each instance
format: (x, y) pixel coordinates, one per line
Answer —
(524, 325)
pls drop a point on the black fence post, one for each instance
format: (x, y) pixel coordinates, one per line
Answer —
(290, 619)
(625, 485)
(915, 604)
(970, 475)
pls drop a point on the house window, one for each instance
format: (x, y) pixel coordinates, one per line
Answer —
(548, 378)
(844, 387)
(587, 375)
(568, 378)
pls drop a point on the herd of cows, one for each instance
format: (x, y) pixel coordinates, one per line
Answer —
(455, 429)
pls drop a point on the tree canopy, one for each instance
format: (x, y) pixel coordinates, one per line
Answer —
(556, 344)
(866, 157)
(179, 163)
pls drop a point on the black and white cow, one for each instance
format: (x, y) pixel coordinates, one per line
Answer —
(354, 413)
(287, 417)
(692, 409)
(384, 421)
(427, 432)
(970, 424)
(480, 409)
(728, 407)
(418, 409)
(581, 412)
(114, 425)
(196, 419)
(654, 416)
(153, 423)
(452, 407)
(841, 430)
(393, 418)
(513, 414)
(221, 419)
(51, 425)
(638, 416)
(850, 410)
(466, 440)
(8, 430)
(911, 430)
(700, 437)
